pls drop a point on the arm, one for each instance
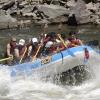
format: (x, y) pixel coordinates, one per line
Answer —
(17, 53)
(8, 50)
(80, 42)
(29, 51)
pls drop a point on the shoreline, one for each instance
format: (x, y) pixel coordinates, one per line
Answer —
(17, 14)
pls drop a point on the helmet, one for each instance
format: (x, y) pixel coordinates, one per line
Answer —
(49, 44)
(21, 42)
(34, 40)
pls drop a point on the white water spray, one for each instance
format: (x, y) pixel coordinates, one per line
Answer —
(31, 89)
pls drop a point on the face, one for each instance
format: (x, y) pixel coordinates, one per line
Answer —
(13, 43)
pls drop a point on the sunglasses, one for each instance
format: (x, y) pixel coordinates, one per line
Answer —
(13, 41)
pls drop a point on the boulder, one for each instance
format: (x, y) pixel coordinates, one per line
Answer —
(82, 14)
(6, 21)
(8, 5)
(53, 11)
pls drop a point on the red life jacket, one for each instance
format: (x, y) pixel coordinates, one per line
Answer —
(74, 42)
(61, 46)
(52, 49)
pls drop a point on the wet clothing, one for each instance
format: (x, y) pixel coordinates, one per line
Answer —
(10, 51)
(32, 49)
(19, 51)
(74, 42)
(61, 46)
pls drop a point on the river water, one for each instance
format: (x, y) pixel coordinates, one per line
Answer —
(29, 88)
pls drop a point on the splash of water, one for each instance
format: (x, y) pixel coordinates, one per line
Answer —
(31, 89)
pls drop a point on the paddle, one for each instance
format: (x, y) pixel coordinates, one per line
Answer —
(34, 57)
(23, 55)
(64, 43)
(62, 40)
(4, 59)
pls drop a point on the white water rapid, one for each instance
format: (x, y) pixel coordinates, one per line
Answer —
(28, 88)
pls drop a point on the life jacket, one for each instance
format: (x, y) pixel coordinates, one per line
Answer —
(21, 49)
(52, 49)
(34, 49)
(46, 39)
(74, 42)
(61, 46)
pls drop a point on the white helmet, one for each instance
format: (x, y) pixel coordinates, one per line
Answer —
(34, 40)
(49, 44)
(21, 42)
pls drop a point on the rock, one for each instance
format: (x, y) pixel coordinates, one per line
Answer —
(39, 22)
(95, 19)
(51, 14)
(8, 5)
(23, 23)
(27, 9)
(81, 13)
(84, 13)
(29, 15)
(2, 12)
(59, 19)
(71, 3)
(53, 11)
(6, 21)
(91, 6)
(95, 12)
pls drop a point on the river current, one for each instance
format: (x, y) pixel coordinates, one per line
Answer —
(30, 88)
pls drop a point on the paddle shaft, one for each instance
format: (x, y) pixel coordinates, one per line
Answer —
(62, 40)
(6, 59)
(23, 55)
(33, 58)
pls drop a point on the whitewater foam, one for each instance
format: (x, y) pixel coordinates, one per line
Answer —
(28, 88)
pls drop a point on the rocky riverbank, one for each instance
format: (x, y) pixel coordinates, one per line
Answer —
(22, 13)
